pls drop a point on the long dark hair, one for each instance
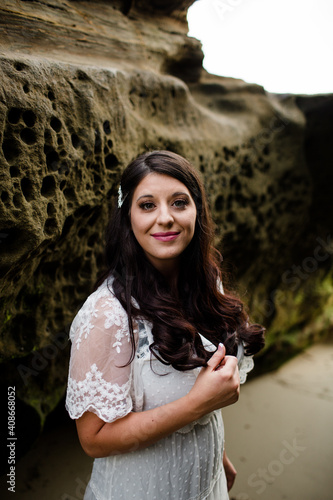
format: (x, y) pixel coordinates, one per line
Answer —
(199, 305)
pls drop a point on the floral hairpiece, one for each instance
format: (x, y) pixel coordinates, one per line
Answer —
(120, 197)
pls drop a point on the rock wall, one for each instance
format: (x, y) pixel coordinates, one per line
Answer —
(85, 87)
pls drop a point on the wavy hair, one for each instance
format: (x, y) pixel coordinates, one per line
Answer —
(200, 305)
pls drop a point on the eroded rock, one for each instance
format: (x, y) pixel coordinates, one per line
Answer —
(85, 87)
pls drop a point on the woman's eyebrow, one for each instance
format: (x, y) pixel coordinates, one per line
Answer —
(178, 193)
(145, 196)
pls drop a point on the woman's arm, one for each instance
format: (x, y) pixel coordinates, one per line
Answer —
(230, 471)
(216, 386)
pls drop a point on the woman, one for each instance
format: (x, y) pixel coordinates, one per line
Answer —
(154, 347)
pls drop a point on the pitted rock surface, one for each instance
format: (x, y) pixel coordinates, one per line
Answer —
(86, 87)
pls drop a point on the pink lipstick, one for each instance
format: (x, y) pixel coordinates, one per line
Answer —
(169, 236)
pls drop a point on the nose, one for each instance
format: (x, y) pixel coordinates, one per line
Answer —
(164, 216)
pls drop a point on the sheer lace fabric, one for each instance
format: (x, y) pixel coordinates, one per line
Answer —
(184, 466)
(98, 381)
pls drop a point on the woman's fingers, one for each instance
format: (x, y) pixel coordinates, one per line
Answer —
(217, 384)
(217, 357)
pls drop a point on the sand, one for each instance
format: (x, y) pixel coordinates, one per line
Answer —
(280, 433)
(279, 436)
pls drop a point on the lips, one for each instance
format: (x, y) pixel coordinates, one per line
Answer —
(169, 236)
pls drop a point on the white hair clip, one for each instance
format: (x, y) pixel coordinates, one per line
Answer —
(120, 197)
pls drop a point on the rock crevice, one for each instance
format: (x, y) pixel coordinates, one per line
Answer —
(85, 87)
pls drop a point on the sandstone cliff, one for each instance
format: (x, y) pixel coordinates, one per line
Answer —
(85, 87)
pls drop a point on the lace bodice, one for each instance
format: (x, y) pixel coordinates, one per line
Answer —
(99, 380)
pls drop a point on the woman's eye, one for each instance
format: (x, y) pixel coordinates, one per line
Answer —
(147, 205)
(180, 203)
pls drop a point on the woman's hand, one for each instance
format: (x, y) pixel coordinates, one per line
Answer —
(217, 384)
(229, 470)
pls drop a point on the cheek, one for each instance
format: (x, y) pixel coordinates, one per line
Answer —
(193, 229)
(191, 222)
(140, 225)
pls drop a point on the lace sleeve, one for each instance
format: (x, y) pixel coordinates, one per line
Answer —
(98, 381)
(245, 363)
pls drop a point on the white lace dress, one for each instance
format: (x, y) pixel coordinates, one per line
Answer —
(187, 465)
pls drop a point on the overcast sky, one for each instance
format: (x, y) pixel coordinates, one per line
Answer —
(284, 45)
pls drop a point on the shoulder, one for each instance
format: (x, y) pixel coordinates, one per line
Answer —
(101, 308)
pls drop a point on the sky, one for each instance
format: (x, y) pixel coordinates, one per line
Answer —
(284, 45)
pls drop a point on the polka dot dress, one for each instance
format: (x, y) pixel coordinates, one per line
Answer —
(187, 465)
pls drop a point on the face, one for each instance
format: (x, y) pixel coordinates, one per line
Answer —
(163, 215)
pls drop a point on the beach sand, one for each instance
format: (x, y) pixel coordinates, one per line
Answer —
(279, 436)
